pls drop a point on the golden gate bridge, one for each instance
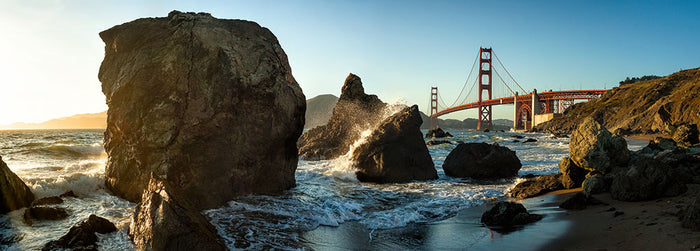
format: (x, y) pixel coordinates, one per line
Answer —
(530, 108)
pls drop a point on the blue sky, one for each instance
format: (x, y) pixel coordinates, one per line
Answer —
(50, 53)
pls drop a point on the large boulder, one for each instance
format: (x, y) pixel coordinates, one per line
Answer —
(508, 214)
(572, 175)
(162, 222)
(646, 179)
(594, 185)
(686, 135)
(395, 151)
(209, 105)
(354, 113)
(482, 161)
(14, 193)
(594, 148)
(82, 236)
(536, 186)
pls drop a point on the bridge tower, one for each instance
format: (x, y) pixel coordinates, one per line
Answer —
(484, 85)
(433, 107)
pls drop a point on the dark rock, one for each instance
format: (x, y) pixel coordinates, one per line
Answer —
(395, 151)
(537, 186)
(210, 105)
(572, 175)
(623, 131)
(437, 133)
(69, 194)
(618, 213)
(646, 179)
(661, 121)
(579, 201)
(594, 185)
(592, 147)
(44, 213)
(481, 161)
(82, 236)
(354, 112)
(14, 194)
(508, 214)
(530, 140)
(48, 201)
(686, 135)
(162, 222)
(560, 135)
(690, 218)
(517, 136)
(516, 141)
(437, 142)
(487, 130)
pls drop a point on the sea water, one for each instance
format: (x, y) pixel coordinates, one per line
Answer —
(327, 193)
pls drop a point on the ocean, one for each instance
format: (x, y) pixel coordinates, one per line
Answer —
(327, 209)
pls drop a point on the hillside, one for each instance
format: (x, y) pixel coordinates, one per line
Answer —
(468, 123)
(319, 110)
(639, 108)
(79, 121)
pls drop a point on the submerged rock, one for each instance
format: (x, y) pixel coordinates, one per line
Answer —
(395, 151)
(354, 112)
(48, 201)
(437, 133)
(481, 161)
(572, 175)
(508, 214)
(594, 148)
(437, 142)
(14, 193)
(537, 186)
(82, 236)
(646, 179)
(209, 105)
(161, 222)
(44, 213)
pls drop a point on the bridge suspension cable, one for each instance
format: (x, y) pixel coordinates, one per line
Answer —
(511, 76)
(464, 86)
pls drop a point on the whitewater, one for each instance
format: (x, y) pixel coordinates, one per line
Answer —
(327, 194)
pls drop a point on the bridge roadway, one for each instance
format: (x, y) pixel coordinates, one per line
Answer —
(542, 97)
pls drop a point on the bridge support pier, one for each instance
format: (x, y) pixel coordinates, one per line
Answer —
(484, 85)
(515, 112)
(536, 107)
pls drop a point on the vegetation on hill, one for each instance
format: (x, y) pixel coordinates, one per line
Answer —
(651, 106)
(319, 110)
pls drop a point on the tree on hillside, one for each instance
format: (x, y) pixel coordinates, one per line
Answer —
(633, 80)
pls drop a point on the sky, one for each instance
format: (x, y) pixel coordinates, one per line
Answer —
(50, 51)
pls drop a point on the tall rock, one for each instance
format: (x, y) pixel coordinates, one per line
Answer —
(209, 106)
(395, 151)
(14, 193)
(594, 148)
(354, 112)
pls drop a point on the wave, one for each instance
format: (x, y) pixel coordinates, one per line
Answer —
(68, 150)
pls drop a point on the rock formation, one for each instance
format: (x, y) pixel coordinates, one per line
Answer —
(44, 213)
(594, 185)
(208, 105)
(395, 151)
(82, 236)
(537, 186)
(163, 222)
(594, 148)
(481, 161)
(646, 179)
(572, 175)
(508, 214)
(354, 112)
(437, 133)
(686, 135)
(15, 194)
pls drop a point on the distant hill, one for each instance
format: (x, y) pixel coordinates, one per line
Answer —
(319, 110)
(469, 123)
(79, 121)
(639, 107)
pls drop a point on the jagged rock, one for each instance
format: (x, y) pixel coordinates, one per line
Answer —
(207, 104)
(162, 222)
(14, 193)
(594, 185)
(354, 112)
(437, 133)
(44, 213)
(661, 121)
(690, 218)
(437, 142)
(592, 147)
(646, 179)
(508, 214)
(68, 194)
(579, 201)
(395, 151)
(481, 161)
(686, 135)
(48, 201)
(537, 186)
(82, 236)
(572, 175)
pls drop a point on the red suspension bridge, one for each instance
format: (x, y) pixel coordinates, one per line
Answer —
(530, 109)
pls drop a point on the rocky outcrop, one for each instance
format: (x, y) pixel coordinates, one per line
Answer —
(163, 222)
(395, 151)
(594, 185)
(82, 236)
(354, 112)
(508, 214)
(646, 179)
(594, 148)
(686, 135)
(15, 194)
(481, 161)
(536, 186)
(572, 175)
(437, 133)
(44, 213)
(208, 105)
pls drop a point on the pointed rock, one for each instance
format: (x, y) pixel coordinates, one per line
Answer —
(15, 194)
